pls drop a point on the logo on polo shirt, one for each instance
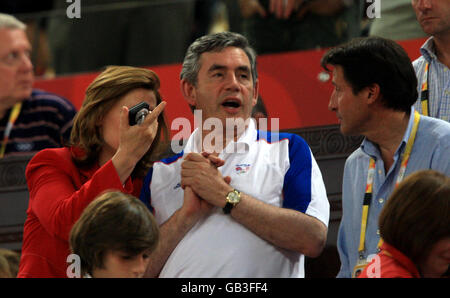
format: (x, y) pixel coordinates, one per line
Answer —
(242, 168)
(22, 147)
(177, 186)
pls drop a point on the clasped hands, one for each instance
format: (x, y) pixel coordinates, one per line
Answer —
(203, 184)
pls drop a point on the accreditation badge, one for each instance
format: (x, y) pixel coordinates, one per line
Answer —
(360, 265)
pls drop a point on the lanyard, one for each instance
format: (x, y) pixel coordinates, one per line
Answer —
(369, 185)
(12, 119)
(424, 93)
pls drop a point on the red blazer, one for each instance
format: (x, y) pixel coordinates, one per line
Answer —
(59, 192)
(391, 264)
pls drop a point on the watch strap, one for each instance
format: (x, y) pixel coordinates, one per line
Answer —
(227, 208)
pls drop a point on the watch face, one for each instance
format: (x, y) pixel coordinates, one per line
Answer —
(233, 197)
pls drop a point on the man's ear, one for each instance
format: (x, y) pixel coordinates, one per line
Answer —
(373, 93)
(189, 92)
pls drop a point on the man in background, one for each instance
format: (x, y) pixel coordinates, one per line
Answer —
(432, 68)
(30, 120)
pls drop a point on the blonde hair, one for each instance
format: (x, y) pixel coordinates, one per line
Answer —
(101, 95)
(10, 22)
(9, 263)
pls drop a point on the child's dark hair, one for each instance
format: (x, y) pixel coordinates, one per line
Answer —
(113, 221)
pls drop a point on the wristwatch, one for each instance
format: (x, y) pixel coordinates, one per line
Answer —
(233, 198)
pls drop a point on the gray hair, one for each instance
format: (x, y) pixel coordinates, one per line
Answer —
(10, 22)
(215, 43)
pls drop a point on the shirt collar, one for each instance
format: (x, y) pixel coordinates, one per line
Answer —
(371, 148)
(194, 142)
(428, 50)
(401, 258)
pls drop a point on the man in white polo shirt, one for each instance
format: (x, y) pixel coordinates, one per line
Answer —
(236, 202)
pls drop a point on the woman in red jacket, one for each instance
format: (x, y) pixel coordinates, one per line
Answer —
(105, 153)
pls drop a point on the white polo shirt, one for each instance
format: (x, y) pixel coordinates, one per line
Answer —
(278, 169)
